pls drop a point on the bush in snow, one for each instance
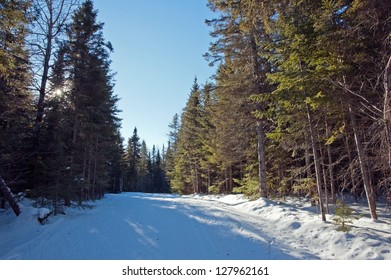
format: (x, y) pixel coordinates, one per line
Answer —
(344, 215)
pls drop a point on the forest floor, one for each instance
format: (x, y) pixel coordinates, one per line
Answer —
(137, 226)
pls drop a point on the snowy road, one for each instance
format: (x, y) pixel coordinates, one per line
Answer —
(165, 227)
(140, 226)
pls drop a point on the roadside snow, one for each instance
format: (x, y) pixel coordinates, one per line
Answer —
(139, 226)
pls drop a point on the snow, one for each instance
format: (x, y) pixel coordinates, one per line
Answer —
(43, 212)
(136, 226)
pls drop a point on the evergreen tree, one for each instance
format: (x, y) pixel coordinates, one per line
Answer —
(297, 79)
(158, 179)
(160, 176)
(344, 215)
(15, 98)
(187, 172)
(300, 103)
(209, 167)
(325, 59)
(240, 46)
(84, 115)
(132, 161)
(172, 148)
(144, 168)
(94, 104)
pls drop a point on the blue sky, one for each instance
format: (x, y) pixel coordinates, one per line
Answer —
(158, 48)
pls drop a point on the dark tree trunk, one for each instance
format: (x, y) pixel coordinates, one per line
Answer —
(315, 149)
(369, 191)
(387, 108)
(5, 191)
(262, 161)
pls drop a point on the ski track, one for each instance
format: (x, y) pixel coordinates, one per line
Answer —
(168, 227)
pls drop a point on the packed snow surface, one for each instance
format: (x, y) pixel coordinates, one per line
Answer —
(137, 226)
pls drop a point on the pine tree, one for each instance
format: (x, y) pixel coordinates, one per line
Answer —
(241, 43)
(90, 140)
(159, 183)
(186, 177)
(367, 52)
(15, 98)
(314, 78)
(344, 215)
(172, 148)
(234, 125)
(132, 161)
(144, 169)
(208, 165)
(299, 80)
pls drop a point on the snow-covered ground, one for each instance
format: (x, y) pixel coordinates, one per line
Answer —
(137, 226)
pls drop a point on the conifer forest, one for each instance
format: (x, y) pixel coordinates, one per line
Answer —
(300, 105)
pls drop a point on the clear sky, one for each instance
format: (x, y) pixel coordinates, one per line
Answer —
(158, 48)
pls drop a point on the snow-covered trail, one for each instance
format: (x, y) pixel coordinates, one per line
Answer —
(135, 226)
(141, 226)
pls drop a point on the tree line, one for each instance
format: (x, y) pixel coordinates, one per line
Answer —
(59, 133)
(300, 103)
(144, 170)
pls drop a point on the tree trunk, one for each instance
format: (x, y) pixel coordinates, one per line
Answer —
(50, 24)
(262, 160)
(317, 164)
(226, 183)
(331, 175)
(330, 163)
(308, 167)
(325, 182)
(45, 75)
(387, 108)
(308, 156)
(351, 170)
(5, 191)
(231, 181)
(363, 165)
(257, 81)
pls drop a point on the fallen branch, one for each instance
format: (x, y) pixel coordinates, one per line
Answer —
(43, 215)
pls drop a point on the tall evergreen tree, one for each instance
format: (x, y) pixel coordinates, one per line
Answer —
(241, 43)
(90, 141)
(208, 164)
(15, 98)
(187, 170)
(144, 168)
(132, 161)
(160, 183)
(172, 147)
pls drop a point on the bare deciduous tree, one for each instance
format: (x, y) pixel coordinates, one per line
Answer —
(49, 22)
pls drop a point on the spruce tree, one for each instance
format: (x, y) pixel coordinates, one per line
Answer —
(132, 159)
(91, 139)
(187, 172)
(241, 43)
(172, 148)
(16, 99)
(144, 169)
